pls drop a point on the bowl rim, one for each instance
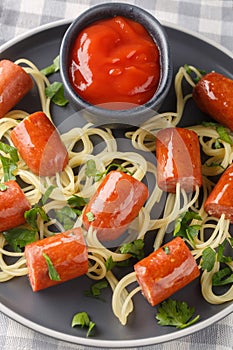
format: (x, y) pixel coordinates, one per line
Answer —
(154, 28)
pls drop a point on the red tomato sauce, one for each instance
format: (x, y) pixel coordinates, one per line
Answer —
(115, 64)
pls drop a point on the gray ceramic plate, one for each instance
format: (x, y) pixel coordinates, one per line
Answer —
(50, 311)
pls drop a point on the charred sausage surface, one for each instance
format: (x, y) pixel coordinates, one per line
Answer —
(15, 83)
(220, 200)
(115, 204)
(13, 204)
(40, 145)
(166, 270)
(67, 252)
(213, 94)
(178, 159)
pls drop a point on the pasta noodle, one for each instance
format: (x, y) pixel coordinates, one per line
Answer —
(70, 182)
(207, 291)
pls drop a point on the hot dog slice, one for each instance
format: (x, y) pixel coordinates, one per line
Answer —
(115, 204)
(166, 270)
(40, 145)
(220, 200)
(13, 204)
(213, 94)
(178, 159)
(68, 253)
(14, 85)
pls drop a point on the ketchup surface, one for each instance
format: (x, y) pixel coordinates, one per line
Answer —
(115, 64)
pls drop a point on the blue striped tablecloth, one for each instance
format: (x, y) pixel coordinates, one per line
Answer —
(211, 18)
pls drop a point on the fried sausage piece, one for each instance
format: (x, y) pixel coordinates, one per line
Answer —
(220, 200)
(14, 85)
(13, 204)
(67, 252)
(115, 204)
(166, 270)
(213, 94)
(178, 159)
(40, 145)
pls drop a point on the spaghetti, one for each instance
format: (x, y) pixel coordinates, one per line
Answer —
(71, 182)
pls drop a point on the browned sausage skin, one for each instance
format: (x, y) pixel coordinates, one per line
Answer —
(14, 85)
(39, 144)
(115, 204)
(67, 252)
(213, 94)
(13, 204)
(166, 270)
(220, 200)
(178, 159)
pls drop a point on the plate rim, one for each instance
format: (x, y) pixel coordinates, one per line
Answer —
(113, 343)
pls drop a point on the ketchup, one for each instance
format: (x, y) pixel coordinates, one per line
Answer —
(115, 64)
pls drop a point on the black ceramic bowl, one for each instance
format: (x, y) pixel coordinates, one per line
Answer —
(122, 117)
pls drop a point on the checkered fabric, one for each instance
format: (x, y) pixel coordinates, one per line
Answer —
(211, 18)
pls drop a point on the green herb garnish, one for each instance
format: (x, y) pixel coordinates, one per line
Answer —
(82, 319)
(47, 194)
(209, 124)
(90, 216)
(208, 259)
(53, 274)
(9, 164)
(92, 171)
(3, 187)
(195, 78)
(176, 313)
(135, 248)
(19, 237)
(110, 264)
(210, 256)
(222, 132)
(9, 168)
(217, 144)
(230, 240)
(66, 216)
(222, 277)
(183, 227)
(55, 92)
(12, 151)
(31, 216)
(166, 250)
(220, 254)
(96, 288)
(77, 203)
(53, 68)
